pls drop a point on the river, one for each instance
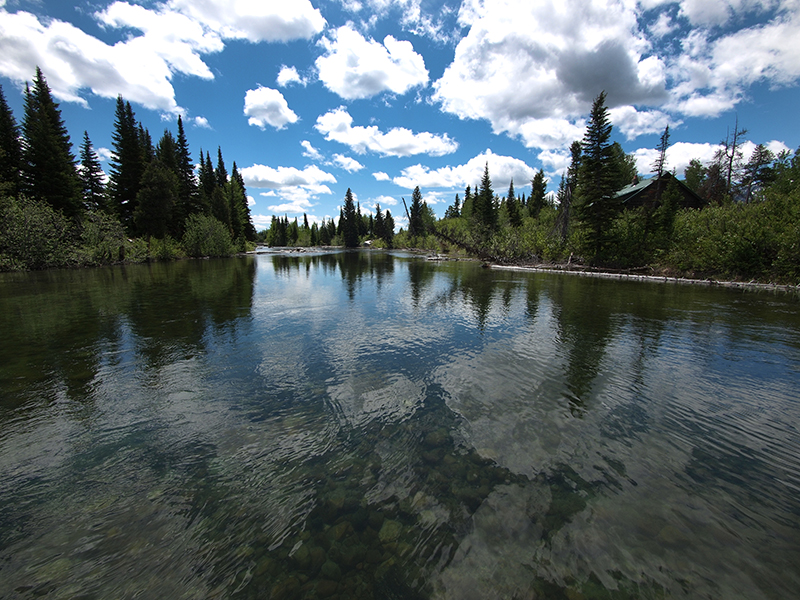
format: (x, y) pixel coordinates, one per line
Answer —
(375, 425)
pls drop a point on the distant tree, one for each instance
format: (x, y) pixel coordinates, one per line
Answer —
(514, 214)
(48, 166)
(597, 179)
(466, 207)
(624, 167)
(92, 177)
(10, 149)
(240, 195)
(729, 156)
(714, 187)
(659, 165)
(207, 180)
(537, 200)
(349, 225)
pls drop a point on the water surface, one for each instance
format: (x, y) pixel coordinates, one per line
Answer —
(371, 425)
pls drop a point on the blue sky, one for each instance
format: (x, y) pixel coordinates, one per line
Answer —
(312, 97)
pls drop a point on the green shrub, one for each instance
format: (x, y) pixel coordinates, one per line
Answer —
(206, 236)
(33, 235)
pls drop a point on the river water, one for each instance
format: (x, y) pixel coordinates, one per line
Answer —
(374, 425)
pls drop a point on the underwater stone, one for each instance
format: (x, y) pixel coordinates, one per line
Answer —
(390, 531)
(326, 588)
(331, 570)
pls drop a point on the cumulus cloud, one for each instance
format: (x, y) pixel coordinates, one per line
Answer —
(347, 163)
(289, 75)
(381, 176)
(337, 125)
(356, 67)
(527, 67)
(310, 151)
(169, 38)
(266, 106)
(297, 188)
(384, 201)
(254, 21)
(502, 169)
(201, 122)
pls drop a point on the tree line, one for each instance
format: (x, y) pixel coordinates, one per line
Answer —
(60, 210)
(736, 217)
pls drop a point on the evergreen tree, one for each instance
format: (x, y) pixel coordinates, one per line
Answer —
(514, 214)
(757, 173)
(155, 200)
(484, 210)
(454, 210)
(624, 167)
(467, 206)
(189, 201)
(415, 225)
(220, 173)
(92, 177)
(49, 170)
(10, 149)
(349, 225)
(127, 163)
(379, 227)
(597, 180)
(248, 230)
(388, 229)
(537, 200)
(208, 180)
(695, 175)
(661, 160)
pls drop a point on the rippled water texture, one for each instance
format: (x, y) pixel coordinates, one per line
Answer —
(378, 426)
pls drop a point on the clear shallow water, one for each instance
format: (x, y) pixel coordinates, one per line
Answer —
(378, 426)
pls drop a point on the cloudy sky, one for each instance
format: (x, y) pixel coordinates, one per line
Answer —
(311, 97)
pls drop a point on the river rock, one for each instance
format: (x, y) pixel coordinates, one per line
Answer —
(390, 531)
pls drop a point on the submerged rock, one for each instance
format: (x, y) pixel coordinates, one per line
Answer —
(390, 531)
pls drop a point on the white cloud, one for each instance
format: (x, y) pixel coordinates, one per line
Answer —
(169, 38)
(347, 163)
(381, 176)
(501, 170)
(262, 176)
(384, 201)
(633, 123)
(266, 106)
(530, 67)
(103, 154)
(310, 151)
(355, 67)
(288, 75)
(337, 125)
(201, 122)
(255, 21)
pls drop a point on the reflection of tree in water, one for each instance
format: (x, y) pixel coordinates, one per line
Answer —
(583, 309)
(60, 327)
(353, 266)
(172, 305)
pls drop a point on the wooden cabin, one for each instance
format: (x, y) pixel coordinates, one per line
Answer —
(643, 193)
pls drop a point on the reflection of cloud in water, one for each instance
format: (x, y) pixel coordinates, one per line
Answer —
(361, 399)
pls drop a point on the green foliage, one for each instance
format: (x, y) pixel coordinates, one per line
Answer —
(103, 239)
(165, 248)
(348, 219)
(155, 200)
(34, 235)
(206, 236)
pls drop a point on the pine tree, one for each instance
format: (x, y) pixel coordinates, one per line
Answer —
(415, 225)
(388, 229)
(379, 227)
(596, 180)
(127, 163)
(514, 215)
(349, 225)
(537, 200)
(155, 200)
(484, 210)
(661, 160)
(188, 195)
(92, 177)
(220, 173)
(10, 149)
(49, 170)
(239, 194)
